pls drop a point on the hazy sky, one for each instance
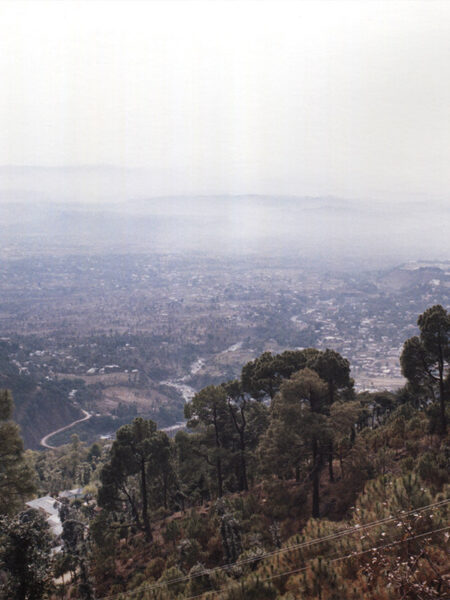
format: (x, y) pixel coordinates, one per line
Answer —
(309, 98)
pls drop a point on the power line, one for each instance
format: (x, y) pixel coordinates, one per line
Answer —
(300, 545)
(330, 537)
(368, 551)
(330, 561)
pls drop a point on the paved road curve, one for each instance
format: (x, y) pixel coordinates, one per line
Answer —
(44, 441)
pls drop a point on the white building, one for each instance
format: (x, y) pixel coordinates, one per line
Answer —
(50, 508)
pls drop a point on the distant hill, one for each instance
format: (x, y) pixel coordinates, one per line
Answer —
(106, 209)
(410, 276)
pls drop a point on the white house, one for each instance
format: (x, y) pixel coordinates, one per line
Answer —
(50, 507)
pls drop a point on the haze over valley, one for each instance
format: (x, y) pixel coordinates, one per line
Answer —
(107, 210)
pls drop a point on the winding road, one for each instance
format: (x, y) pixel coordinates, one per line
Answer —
(44, 440)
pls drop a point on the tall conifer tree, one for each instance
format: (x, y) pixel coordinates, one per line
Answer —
(16, 477)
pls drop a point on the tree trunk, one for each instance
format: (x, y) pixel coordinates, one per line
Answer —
(218, 459)
(244, 481)
(134, 510)
(241, 432)
(145, 519)
(22, 591)
(219, 478)
(331, 391)
(341, 462)
(316, 481)
(330, 461)
(165, 490)
(443, 427)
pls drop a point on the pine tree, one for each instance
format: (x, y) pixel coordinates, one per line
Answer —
(230, 533)
(16, 477)
(138, 457)
(25, 561)
(207, 412)
(300, 428)
(425, 360)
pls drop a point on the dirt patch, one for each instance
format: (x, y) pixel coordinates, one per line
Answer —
(380, 383)
(105, 379)
(145, 400)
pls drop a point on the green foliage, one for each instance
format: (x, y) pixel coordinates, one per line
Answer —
(189, 553)
(230, 532)
(425, 360)
(243, 482)
(94, 453)
(208, 413)
(140, 456)
(192, 470)
(200, 580)
(66, 467)
(25, 559)
(174, 588)
(17, 480)
(334, 370)
(264, 375)
(172, 532)
(433, 467)
(155, 568)
(251, 589)
(299, 433)
(6, 405)
(196, 527)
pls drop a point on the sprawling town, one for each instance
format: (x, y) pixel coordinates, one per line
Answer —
(139, 334)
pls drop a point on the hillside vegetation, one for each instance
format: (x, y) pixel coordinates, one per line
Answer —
(287, 484)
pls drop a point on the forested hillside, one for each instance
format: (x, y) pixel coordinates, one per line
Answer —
(286, 484)
(40, 405)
